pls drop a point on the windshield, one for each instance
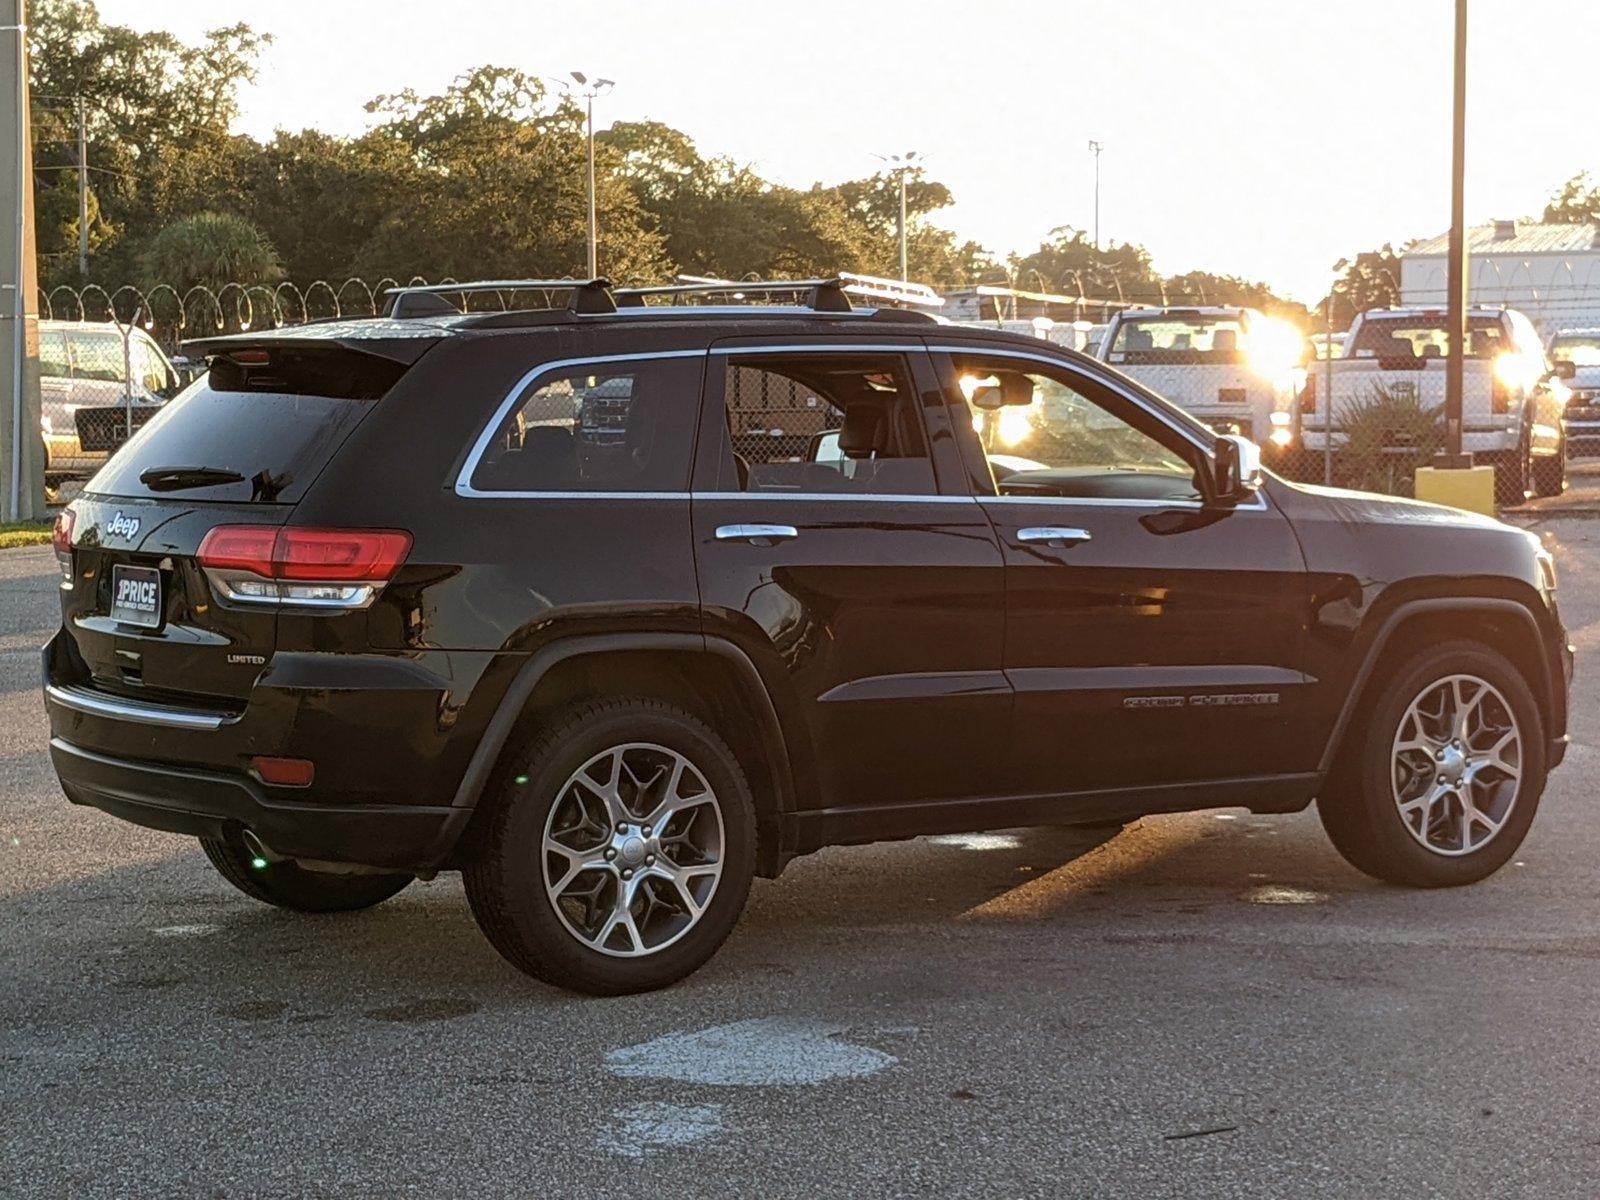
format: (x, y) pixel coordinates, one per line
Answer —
(1179, 339)
(1424, 337)
(1579, 349)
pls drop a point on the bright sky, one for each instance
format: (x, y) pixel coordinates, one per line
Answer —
(1265, 138)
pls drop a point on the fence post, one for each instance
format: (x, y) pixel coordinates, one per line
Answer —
(22, 497)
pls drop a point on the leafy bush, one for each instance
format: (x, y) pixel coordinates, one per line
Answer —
(1388, 437)
(211, 249)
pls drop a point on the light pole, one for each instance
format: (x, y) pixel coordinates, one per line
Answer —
(1094, 149)
(901, 163)
(590, 91)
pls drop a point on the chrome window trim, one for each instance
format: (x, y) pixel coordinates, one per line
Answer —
(84, 700)
(464, 486)
(1259, 504)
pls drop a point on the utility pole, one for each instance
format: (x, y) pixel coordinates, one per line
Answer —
(83, 191)
(900, 164)
(591, 90)
(21, 450)
(1456, 317)
(1094, 149)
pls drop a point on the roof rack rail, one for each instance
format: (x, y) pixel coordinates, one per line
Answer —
(588, 296)
(822, 295)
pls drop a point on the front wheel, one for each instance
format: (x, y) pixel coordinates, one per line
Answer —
(619, 851)
(1438, 785)
(287, 885)
(1550, 474)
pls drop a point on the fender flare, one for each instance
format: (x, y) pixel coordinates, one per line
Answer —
(539, 664)
(1405, 611)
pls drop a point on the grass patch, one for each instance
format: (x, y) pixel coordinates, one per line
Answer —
(23, 533)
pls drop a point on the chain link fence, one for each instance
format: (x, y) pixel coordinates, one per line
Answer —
(1361, 408)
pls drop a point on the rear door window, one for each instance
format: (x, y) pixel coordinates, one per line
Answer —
(53, 354)
(596, 427)
(96, 355)
(274, 425)
(823, 424)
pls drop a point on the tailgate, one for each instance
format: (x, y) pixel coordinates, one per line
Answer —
(194, 650)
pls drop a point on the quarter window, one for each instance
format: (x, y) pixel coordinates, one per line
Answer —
(823, 424)
(622, 427)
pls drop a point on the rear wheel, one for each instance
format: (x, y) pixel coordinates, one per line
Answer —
(1550, 474)
(288, 885)
(1511, 477)
(620, 849)
(1439, 784)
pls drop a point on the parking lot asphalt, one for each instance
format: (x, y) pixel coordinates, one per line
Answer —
(1201, 1005)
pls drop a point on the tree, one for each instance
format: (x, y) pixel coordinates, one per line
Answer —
(210, 249)
(1370, 280)
(151, 103)
(490, 180)
(1575, 202)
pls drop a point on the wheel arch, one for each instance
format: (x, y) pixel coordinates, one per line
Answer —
(709, 677)
(1500, 623)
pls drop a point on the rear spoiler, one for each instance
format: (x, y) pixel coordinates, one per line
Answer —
(402, 342)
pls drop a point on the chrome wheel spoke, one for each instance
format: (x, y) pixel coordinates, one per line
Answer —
(632, 849)
(1456, 765)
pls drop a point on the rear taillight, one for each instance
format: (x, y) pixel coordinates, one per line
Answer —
(1500, 397)
(318, 568)
(1308, 394)
(61, 540)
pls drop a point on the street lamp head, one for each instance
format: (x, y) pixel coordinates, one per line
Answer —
(580, 77)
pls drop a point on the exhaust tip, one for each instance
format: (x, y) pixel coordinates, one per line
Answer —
(260, 857)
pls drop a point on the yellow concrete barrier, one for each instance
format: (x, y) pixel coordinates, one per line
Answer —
(1471, 488)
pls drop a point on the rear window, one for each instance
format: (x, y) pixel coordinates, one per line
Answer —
(274, 425)
(1179, 340)
(1424, 337)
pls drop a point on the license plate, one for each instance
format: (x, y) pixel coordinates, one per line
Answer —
(136, 595)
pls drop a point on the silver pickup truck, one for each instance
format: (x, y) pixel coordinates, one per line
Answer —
(1511, 402)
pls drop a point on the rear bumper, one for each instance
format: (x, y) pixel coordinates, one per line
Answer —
(204, 803)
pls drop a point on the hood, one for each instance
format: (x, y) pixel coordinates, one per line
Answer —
(1586, 380)
(1367, 508)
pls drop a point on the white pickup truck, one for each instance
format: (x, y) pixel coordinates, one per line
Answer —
(1511, 402)
(1581, 348)
(1235, 369)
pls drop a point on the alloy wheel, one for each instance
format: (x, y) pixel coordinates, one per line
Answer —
(633, 849)
(1457, 765)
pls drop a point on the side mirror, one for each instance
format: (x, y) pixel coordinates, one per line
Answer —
(1236, 470)
(1009, 389)
(1564, 368)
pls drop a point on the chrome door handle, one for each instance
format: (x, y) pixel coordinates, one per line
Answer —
(1052, 535)
(755, 533)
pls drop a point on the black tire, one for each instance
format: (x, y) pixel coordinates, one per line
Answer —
(1358, 807)
(505, 881)
(1550, 474)
(286, 885)
(1511, 477)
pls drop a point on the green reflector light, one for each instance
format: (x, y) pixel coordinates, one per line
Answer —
(522, 779)
(259, 863)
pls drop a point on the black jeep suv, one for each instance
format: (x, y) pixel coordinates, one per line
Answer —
(616, 606)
